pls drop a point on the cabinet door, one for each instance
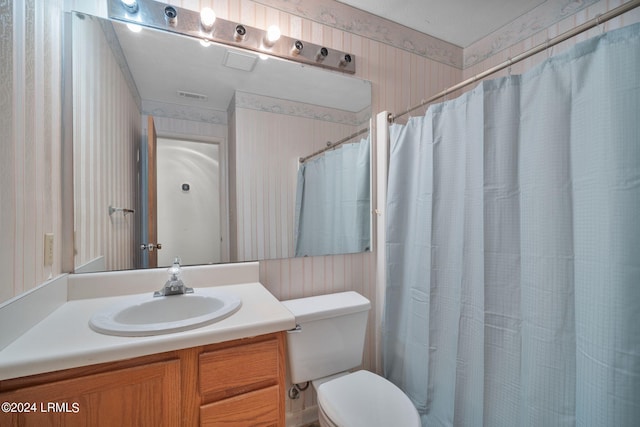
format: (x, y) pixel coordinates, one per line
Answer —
(146, 395)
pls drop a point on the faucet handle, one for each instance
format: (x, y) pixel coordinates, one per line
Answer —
(175, 285)
(175, 270)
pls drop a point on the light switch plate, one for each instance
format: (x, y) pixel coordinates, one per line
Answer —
(48, 249)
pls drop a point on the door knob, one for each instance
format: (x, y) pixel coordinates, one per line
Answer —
(150, 246)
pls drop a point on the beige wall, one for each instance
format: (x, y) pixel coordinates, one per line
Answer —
(30, 142)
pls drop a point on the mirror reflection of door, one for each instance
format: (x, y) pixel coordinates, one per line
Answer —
(188, 201)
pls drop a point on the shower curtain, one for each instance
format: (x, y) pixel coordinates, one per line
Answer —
(513, 247)
(333, 199)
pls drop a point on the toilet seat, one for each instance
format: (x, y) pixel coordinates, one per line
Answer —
(364, 399)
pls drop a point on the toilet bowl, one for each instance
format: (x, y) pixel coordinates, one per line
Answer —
(364, 399)
(327, 342)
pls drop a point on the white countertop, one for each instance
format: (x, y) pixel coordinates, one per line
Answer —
(63, 339)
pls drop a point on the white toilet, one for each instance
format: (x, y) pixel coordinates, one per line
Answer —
(329, 341)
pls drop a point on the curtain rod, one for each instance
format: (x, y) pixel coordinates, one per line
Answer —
(599, 19)
(332, 145)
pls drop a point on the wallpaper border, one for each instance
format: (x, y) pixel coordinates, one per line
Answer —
(353, 20)
(529, 24)
(356, 21)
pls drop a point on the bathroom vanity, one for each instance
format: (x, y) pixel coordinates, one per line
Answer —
(235, 383)
(231, 372)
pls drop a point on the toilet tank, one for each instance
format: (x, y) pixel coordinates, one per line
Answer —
(330, 337)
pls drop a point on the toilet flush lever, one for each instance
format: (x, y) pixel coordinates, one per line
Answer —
(298, 328)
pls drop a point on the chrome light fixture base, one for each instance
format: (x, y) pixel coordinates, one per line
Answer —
(150, 13)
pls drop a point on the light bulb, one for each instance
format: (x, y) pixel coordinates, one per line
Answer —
(273, 33)
(207, 18)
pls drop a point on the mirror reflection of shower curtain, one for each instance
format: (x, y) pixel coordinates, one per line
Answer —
(333, 202)
(513, 247)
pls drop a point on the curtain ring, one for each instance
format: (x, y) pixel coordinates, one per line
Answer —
(599, 23)
(510, 61)
(390, 118)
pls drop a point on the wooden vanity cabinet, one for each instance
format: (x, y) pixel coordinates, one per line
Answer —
(236, 383)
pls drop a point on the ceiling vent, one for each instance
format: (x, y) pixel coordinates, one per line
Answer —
(240, 61)
(191, 95)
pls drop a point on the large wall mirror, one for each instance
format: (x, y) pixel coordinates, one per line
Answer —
(200, 141)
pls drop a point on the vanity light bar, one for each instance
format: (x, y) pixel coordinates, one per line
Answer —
(151, 13)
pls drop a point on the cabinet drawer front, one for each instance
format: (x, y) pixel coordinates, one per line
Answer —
(235, 370)
(258, 408)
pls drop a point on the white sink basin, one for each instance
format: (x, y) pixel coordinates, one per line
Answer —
(142, 315)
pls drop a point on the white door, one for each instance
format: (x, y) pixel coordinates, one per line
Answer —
(188, 201)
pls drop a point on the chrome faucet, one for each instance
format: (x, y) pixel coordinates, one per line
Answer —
(175, 285)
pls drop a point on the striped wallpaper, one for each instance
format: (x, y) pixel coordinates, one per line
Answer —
(29, 142)
(106, 134)
(267, 146)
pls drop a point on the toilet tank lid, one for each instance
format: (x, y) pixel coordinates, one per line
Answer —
(326, 306)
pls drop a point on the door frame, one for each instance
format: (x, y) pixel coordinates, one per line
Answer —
(148, 197)
(144, 196)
